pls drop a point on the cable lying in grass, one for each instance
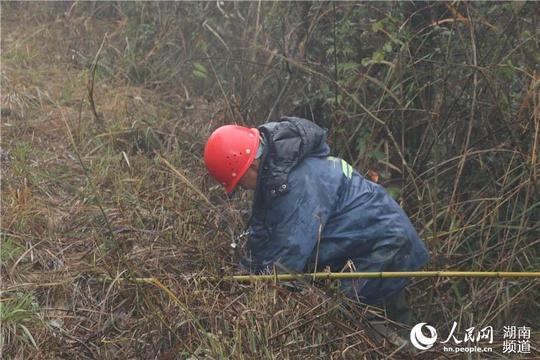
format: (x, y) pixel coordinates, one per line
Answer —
(358, 275)
(349, 275)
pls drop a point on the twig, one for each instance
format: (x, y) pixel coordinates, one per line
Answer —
(92, 80)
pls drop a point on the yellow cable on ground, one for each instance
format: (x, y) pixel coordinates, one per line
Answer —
(334, 275)
(358, 275)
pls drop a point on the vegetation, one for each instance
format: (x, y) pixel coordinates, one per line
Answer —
(105, 110)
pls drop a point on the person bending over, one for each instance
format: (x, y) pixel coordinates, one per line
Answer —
(313, 211)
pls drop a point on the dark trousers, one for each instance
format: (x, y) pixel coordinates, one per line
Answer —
(397, 310)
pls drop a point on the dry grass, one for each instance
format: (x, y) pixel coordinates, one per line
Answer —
(91, 202)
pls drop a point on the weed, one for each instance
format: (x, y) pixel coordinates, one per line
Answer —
(20, 314)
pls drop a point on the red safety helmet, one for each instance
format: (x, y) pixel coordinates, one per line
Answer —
(229, 152)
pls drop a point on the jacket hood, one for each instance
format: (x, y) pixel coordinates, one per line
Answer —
(289, 141)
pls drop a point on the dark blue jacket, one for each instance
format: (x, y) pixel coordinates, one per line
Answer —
(305, 197)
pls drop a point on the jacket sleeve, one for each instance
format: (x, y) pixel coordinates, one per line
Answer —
(291, 228)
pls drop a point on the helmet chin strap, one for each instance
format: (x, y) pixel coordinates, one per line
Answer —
(261, 151)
